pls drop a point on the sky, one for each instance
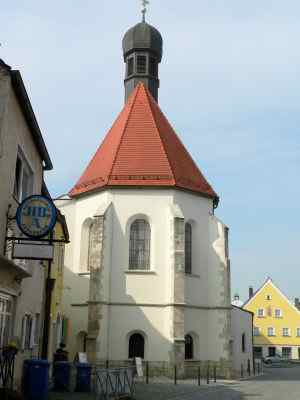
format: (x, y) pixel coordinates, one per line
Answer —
(230, 85)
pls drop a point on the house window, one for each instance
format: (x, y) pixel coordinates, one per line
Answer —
(243, 343)
(189, 347)
(278, 313)
(269, 297)
(258, 352)
(260, 312)
(139, 247)
(136, 346)
(23, 185)
(6, 316)
(26, 337)
(286, 332)
(188, 248)
(130, 66)
(298, 332)
(141, 63)
(153, 67)
(271, 331)
(287, 353)
(256, 331)
(271, 351)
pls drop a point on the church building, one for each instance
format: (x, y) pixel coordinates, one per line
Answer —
(147, 270)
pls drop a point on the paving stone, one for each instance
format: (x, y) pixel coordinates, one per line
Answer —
(275, 384)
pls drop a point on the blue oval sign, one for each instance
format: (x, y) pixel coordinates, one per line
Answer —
(36, 216)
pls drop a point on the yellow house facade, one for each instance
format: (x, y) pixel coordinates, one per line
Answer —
(276, 324)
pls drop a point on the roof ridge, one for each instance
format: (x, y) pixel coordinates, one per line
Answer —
(134, 95)
(152, 102)
(161, 141)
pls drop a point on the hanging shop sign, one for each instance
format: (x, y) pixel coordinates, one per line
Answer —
(36, 216)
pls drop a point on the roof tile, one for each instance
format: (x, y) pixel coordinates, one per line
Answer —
(142, 149)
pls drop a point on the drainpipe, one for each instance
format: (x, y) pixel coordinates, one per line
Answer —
(47, 311)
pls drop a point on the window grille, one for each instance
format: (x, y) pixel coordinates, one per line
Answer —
(6, 310)
(188, 248)
(136, 346)
(141, 64)
(27, 332)
(139, 247)
(189, 347)
(130, 66)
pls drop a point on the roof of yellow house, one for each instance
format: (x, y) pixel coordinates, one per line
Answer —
(267, 282)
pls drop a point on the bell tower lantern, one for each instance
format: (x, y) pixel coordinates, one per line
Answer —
(142, 50)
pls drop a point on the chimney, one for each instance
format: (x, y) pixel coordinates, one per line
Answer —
(250, 292)
(297, 303)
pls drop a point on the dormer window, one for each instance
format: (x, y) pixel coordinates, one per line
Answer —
(141, 64)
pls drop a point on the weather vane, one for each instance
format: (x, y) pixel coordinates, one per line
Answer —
(144, 8)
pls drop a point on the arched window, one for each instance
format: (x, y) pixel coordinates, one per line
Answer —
(189, 347)
(85, 245)
(136, 346)
(139, 247)
(188, 248)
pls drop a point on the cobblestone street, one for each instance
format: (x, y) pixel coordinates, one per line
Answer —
(276, 384)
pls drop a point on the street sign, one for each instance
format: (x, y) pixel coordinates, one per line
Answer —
(36, 216)
(33, 251)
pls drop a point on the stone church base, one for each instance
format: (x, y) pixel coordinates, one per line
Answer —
(190, 370)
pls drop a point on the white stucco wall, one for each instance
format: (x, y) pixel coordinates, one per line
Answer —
(241, 323)
(142, 301)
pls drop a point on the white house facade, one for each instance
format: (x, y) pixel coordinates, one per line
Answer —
(242, 341)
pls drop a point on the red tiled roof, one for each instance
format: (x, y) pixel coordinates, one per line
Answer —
(142, 149)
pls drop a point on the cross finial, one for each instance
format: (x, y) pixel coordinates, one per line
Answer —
(144, 9)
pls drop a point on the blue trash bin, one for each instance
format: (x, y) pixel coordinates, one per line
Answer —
(35, 381)
(83, 378)
(61, 376)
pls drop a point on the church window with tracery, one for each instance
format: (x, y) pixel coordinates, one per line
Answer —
(139, 247)
(188, 248)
